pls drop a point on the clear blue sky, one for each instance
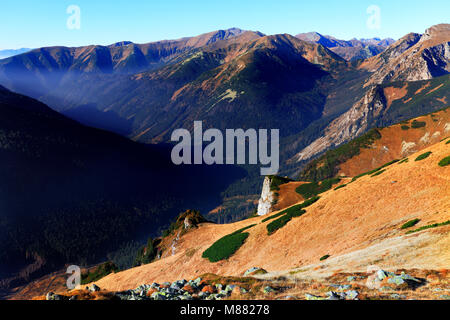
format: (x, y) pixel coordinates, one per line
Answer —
(37, 23)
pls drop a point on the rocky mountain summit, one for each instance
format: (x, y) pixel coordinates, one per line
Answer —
(413, 58)
(350, 125)
(350, 50)
(266, 199)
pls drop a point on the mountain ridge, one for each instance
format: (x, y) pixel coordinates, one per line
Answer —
(351, 50)
(58, 175)
(373, 232)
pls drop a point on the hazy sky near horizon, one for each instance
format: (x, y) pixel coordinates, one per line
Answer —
(39, 23)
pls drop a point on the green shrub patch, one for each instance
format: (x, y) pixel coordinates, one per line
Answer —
(410, 224)
(325, 257)
(99, 272)
(435, 225)
(378, 173)
(225, 247)
(281, 222)
(423, 156)
(327, 166)
(277, 181)
(405, 127)
(375, 171)
(340, 187)
(445, 162)
(278, 224)
(292, 210)
(287, 215)
(309, 190)
(418, 124)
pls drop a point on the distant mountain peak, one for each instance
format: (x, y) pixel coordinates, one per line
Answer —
(354, 49)
(12, 52)
(121, 44)
(412, 58)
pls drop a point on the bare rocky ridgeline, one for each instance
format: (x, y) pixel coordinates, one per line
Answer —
(350, 125)
(351, 50)
(414, 57)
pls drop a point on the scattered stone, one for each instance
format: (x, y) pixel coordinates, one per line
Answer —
(405, 276)
(385, 288)
(397, 296)
(335, 295)
(94, 288)
(254, 271)
(158, 296)
(180, 283)
(189, 289)
(208, 289)
(332, 295)
(197, 281)
(381, 274)
(220, 296)
(313, 297)
(351, 278)
(341, 287)
(268, 289)
(51, 296)
(351, 295)
(229, 288)
(398, 281)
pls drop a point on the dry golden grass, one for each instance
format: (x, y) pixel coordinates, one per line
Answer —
(360, 221)
(393, 139)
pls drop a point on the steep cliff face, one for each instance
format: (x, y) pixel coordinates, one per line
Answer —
(414, 57)
(351, 124)
(267, 197)
(382, 105)
(411, 60)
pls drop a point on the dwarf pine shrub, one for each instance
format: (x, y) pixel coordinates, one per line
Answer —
(423, 156)
(225, 247)
(445, 162)
(410, 224)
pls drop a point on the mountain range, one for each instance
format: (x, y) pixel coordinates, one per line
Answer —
(74, 193)
(85, 132)
(9, 53)
(350, 50)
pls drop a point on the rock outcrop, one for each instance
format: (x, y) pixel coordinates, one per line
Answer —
(414, 57)
(267, 198)
(350, 125)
